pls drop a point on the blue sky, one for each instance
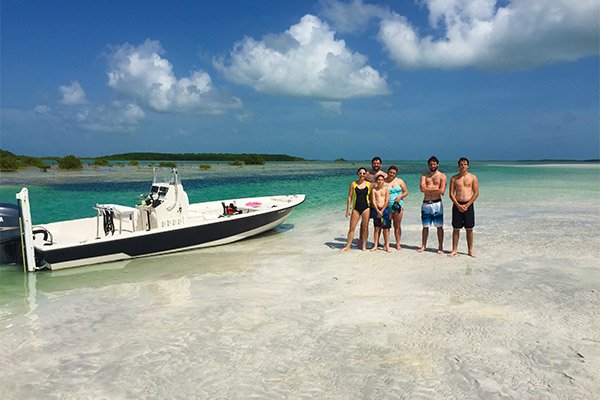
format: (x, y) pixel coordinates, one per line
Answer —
(487, 79)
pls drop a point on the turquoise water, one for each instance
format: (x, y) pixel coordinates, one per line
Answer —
(60, 197)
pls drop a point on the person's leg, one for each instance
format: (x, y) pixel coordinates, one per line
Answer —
(376, 239)
(455, 237)
(396, 223)
(424, 235)
(470, 242)
(401, 214)
(364, 228)
(440, 235)
(398, 229)
(386, 239)
(426, 219)
(353, 221)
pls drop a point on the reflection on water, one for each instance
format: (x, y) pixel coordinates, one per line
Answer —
(146, 269)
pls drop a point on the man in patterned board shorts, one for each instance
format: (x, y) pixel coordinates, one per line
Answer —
(433, 186)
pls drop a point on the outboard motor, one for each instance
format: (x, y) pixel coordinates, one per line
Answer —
(10, 234)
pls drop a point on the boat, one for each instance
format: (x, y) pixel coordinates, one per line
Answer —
(162, 221)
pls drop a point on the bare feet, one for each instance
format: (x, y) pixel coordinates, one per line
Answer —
(421, 249)
(364, 248)
(398, 247)
(374, 248)
(387, 249)
(454, 252)
(471, 253)
(345, 249)
(440, 251)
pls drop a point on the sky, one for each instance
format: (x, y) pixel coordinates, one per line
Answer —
(324, 79)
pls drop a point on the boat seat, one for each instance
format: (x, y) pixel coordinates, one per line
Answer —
(121, 212)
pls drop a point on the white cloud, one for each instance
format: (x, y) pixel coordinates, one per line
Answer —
(72, 94)
(522, 34)
(142, 73)
(118, 117)
(305, 61)
(353, 16)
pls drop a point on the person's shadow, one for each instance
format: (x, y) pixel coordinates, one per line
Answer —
(339, 243)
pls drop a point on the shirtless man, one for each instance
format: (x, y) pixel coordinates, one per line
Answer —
(464, 190)
(375, 171)
(381, 217)
(433, 186)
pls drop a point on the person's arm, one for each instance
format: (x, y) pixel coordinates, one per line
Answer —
(373, 205)
(387, 200)
(404, 191)
(349, 201)
(453, 193)
(423, 185)
(475, 192)
(442, 187)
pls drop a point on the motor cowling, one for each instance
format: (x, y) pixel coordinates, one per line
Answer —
(10, 234)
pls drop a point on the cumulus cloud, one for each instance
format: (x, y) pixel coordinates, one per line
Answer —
(522, 34)
(486, 34)
(72, 94)
(305, 61)
(142, 73)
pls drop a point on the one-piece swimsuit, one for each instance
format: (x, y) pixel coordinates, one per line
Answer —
(395, 191)
(361, 198)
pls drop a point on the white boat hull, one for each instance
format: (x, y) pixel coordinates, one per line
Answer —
(76, 242)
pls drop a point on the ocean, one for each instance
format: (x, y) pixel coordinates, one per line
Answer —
(286, 315)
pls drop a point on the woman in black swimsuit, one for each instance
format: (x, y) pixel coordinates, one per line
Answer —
(358, 196)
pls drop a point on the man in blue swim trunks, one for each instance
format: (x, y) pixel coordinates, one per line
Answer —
(433, 186)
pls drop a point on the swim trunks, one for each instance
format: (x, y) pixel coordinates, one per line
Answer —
(360, 198)
(394, 206)
(432, 213)
(381, 222)
(463, 220)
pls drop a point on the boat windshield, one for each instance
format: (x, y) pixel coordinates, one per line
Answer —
(166, 175)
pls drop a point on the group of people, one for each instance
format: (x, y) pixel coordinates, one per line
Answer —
(380, 196)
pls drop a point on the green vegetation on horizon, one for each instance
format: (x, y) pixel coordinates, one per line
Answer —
(10, 162)
(246, 157)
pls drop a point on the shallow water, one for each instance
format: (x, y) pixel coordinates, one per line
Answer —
(285, 315)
